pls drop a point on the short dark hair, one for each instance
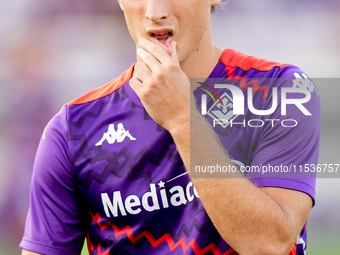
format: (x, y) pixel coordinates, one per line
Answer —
(213, 8)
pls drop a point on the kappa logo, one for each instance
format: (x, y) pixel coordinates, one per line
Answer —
(112, 136)
(304, 82)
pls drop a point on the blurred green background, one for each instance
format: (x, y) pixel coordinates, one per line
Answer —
(54, 51)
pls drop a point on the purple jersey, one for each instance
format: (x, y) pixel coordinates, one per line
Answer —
(107, 171)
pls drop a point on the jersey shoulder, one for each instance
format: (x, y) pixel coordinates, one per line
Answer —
(104, 90)
(234, 59)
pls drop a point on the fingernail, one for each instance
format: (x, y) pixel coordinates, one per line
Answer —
(139, 50)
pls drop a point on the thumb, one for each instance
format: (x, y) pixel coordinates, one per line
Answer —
(174, 51)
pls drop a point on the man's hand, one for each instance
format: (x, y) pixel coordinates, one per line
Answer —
(162, 86)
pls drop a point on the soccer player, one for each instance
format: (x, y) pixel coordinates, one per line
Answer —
(119, 164)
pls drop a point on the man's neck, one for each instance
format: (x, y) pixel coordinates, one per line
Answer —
(202, 62)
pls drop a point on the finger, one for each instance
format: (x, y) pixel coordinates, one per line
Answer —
(142, 72)
(147, 58)
(136, 85)
(167, 47)
(158, 51)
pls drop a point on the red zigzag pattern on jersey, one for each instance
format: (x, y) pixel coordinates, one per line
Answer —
(156, 242)
(244, 85)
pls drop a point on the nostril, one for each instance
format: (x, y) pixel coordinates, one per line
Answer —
(156, 11)
(155, 18)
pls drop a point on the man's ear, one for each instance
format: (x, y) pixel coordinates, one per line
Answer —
(120, 4)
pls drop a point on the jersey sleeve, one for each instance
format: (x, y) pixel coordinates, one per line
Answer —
(287, 152)
(55, 220)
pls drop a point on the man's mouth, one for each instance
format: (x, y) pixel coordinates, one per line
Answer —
(162, 37)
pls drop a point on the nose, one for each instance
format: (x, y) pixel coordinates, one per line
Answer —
(157, 10)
